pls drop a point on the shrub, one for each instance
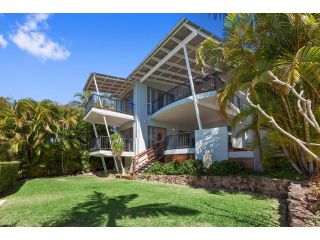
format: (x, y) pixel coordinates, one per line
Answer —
(156, 168)
(171, 168)
(224, 168)
(8, 174)
(285, 171)
(189, 167)
(192, 167)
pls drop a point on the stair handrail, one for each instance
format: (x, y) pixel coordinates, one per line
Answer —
(154, 150)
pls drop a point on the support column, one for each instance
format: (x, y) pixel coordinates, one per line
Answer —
(195, 100)
(105, 122)
(99, 145)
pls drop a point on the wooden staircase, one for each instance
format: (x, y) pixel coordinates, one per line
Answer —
(142, 161)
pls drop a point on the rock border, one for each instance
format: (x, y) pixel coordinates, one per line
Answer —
(296, 194)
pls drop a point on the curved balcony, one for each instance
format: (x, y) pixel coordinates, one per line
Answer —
(209, 83)
(177, 105)
(117, 112)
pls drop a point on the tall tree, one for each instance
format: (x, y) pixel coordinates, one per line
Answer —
(287, 46)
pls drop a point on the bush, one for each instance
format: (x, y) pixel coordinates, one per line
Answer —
(192, 167)
(8, 174)
(171, 168)
(156, 168)
(189, 167)
(225, 168)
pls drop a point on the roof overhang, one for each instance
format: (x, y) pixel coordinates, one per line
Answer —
(165, 64)
(107, 84)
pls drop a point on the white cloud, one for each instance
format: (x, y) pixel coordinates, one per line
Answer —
(31, 37)
(3, 42)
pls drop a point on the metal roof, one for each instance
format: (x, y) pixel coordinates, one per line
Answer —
(171, 72)
(107, 84)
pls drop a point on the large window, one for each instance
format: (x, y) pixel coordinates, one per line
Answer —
(155, 135)
(154, 94)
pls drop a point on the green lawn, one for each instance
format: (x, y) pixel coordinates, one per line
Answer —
(94, 201)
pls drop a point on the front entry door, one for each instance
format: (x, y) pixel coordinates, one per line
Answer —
(155, 135)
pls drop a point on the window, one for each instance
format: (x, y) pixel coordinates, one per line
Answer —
(155, 135)
(154, 95)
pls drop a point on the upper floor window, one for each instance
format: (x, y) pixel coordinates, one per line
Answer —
(153, 95)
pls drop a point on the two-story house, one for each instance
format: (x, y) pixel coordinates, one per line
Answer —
(167, 109)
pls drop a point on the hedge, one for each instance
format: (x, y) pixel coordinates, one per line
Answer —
(8, 174)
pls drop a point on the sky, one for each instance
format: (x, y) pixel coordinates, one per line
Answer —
(51, 56)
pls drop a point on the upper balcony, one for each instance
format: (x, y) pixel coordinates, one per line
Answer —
(115, 111)
(209, 83)
(176, 105)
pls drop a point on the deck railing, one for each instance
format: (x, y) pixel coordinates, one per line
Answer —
(181, 140)
(103, 143)
(209, 83)
(109, 104)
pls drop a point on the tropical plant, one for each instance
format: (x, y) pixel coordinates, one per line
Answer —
(47, 138)
(270, 56)
(117, 146)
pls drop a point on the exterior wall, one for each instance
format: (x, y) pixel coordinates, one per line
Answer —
(143, 120)
(178, 157)
(247, 162)
(245, 157)
(212, 141)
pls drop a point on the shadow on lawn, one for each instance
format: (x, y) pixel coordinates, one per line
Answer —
(101, 210)
(257, 221)
(13, 189)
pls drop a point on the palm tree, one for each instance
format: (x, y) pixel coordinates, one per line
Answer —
(287, 45)
(117, 146)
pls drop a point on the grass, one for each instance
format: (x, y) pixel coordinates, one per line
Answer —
(94, 201)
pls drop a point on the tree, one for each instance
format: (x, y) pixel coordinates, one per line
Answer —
(286, 45)
(47, 138)
(117, 146)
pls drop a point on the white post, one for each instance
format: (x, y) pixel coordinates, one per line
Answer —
(195, 100)
(105, 121)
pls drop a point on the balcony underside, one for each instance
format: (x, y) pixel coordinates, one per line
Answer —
(95, 115)
(108, 153)
(182, 111)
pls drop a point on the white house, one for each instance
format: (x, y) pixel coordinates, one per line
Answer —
(167, 109)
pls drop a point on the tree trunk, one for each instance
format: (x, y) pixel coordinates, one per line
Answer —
(122, 168)
(255, 140)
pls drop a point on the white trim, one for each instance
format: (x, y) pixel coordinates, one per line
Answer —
(179, 151)
(167, 57)
(199, 32)
(105, 112)
(108, 153)
(241, 154)
(185, 100)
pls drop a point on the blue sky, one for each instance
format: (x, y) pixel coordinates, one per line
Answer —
(50, 57)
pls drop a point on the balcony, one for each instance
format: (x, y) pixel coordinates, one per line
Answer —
(182, 143)
(101, 147)
(201, 85)
(176, 106)
(181, 140)
(116, 112)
